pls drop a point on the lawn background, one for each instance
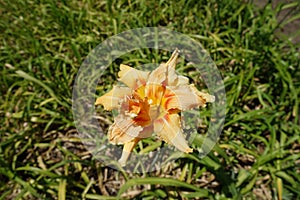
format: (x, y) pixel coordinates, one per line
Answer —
(43, 44)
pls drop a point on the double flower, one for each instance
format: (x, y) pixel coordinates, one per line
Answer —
(151, 103)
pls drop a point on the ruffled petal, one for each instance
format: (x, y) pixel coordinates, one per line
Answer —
(111, 99)
(158, 76)
(133, 78)
(184, 97)
(138, 110)
(166, 74)
(123, 130)
(168, 128)
(204, 97)
(182, 80)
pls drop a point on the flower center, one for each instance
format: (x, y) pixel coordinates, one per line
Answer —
(138, 110)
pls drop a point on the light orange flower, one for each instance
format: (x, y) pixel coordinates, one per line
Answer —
(151, 103)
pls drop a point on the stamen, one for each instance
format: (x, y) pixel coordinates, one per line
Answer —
(150, 101)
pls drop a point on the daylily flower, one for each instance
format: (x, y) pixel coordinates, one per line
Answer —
(151, 103)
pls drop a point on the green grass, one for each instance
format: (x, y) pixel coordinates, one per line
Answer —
(42, 47)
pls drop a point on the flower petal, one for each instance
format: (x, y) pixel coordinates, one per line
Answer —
(168, 128)
(158, 76)
(124, 130)
(202, 95)
(111, 99)
(182, 80)
(172, 77)
(171, 63)
(166, 74)
(133, 78)
(184, 97)
(127, 149)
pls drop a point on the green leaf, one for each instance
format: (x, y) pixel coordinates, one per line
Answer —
(158, 181)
